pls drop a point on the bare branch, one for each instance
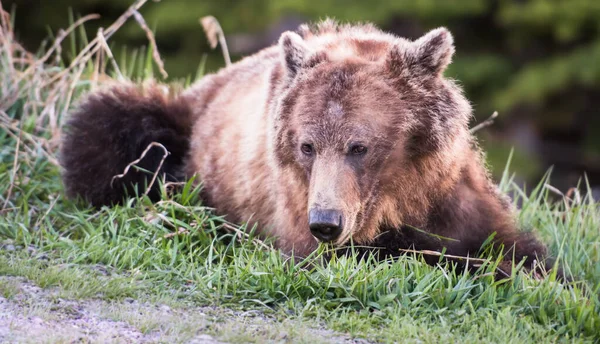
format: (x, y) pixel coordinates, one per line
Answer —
(485, 123)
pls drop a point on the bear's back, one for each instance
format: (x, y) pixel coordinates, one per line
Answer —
(228, 141)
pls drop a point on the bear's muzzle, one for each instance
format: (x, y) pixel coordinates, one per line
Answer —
(325, 224)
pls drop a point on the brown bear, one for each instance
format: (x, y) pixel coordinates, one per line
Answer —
(338, 133)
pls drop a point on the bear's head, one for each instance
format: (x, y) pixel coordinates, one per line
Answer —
(369, 125)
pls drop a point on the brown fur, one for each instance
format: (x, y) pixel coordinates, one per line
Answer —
(113, 127)
(334, 88)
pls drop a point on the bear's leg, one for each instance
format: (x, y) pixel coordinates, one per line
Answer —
(524, 246)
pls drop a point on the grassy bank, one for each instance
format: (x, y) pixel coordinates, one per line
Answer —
(177, 252)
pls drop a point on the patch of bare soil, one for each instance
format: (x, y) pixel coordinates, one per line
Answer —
(29, 314)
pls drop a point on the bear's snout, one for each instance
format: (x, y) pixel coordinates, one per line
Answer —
(325, 224)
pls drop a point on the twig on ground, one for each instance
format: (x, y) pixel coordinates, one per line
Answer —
(485, 123)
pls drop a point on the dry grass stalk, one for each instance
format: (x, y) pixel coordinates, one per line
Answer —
(142, 156)
(48, 91)
(155, 55)
(94, 46)
(567, 200)
(478, 262)
(14, 174)
(12, 128)
(559, 193)
(72, 87)
(42, 218)
(239, 232)
(109, 53)
(241, 235)
(177, 205)
(180, 231)
(62, 34)
(23, 76)
(574, 191)
(439, 254)
(170, 186)
(4, 18)
(162, 160)
(215, 36)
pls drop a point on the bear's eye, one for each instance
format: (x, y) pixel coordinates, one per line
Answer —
(307, 148)
(358, 150)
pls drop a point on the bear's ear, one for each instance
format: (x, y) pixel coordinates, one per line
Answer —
(426, 57)
(434, 50)
(294, 52)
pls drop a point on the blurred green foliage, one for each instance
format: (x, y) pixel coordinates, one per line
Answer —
(535, 61)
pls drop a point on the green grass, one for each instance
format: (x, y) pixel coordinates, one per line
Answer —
(177, 252)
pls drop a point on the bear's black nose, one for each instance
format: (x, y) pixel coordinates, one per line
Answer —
(325, 224)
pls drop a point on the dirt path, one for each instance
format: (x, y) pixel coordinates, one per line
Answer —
(29, 314)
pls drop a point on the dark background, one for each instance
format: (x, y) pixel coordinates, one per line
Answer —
(536, 62)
